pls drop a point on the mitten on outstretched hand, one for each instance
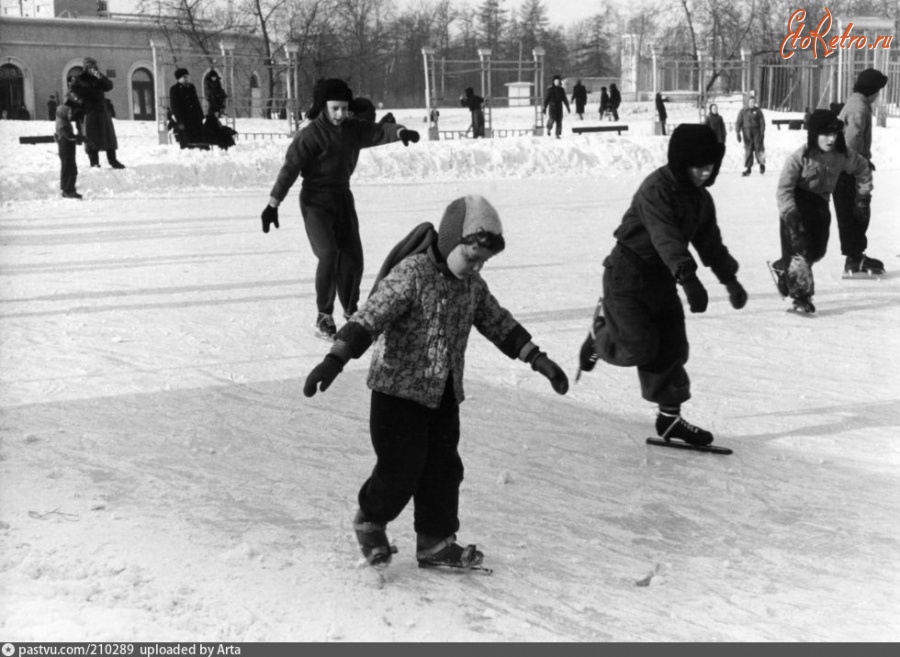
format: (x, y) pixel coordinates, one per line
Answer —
(269, 217)
(736, 294)
(322, 375)
(696, 294)
(558, 379)
(408, 136)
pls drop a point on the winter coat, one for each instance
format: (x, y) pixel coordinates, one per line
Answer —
(326, 154)
(857, 117)
(750, 122)
(472, 102)
(665, 217)
(64, 131)
(661, 109)
(615, 98)
(187, 112)
(215, 95)
(604, 101)
(579, 97)
(814, 171)
(717, 123)
(422, 320)
(97, 125)
(555, 98)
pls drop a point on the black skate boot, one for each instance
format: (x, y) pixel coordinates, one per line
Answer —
(762, 169)
(804, 305)
(373, 540)
(674, 426)
(780, 278)
(448, 554)
(746, 172)
(588, 355)
(326, 327)
(863, 265)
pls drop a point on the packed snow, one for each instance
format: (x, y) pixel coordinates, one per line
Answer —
(163, 478)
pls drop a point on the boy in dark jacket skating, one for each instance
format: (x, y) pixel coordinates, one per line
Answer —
(554, 99)
(324, 153)
(639, 320)
(807, 181)
(419, 316)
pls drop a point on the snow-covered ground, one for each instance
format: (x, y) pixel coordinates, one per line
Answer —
(162, 476)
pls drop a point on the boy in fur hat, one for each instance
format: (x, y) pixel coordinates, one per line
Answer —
(639, 320)
(807, 180)
(554, 99)
(853, 222)
(324, 152)
(420, 315)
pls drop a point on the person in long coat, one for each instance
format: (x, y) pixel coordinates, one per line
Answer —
(715, 121)
(615, 99)
(474, 103)
(186, 109)
(579, 97)
(554, 99)
(90, 86)
(661, 113)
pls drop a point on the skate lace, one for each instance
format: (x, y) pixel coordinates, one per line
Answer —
(680, 421)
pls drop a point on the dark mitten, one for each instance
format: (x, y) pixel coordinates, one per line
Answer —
(322, 375)
(736, 294)
(696, 294)
(862, 209)
(269, 217)
(408, 136)
(558, 379)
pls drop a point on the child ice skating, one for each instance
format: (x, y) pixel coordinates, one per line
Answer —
(639, 321)
(807, 181)
(325, 153)
(419, 316)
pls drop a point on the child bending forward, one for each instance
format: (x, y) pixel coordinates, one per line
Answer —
(420, 315)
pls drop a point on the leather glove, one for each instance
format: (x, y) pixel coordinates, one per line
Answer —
(696, 294)
(552, 371)
(736, 294)
(269, 217)
(862, 209)
(408, 136)
(322, 375)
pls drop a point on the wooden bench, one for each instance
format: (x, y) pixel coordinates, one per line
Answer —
(599, 128)
(46, 139)
(792, 124)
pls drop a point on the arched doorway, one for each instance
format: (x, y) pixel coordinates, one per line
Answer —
(143, 105)
(12, 90)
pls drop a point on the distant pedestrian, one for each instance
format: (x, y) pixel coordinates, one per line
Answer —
(715, 121)
(90, 86)
(579, 97)
(853, 225)
(554, 99)
(52, 104)
(186, 109)
(661, 114)
(474, 104)
(751, 129)
(604, 104)
(615, 99)
(215, 94)
(66, 142)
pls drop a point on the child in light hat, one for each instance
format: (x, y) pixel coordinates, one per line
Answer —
(429, 295)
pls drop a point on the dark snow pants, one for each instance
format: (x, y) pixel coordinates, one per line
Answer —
(644, 326)
(754, 146)
(333, 231)
(417, 458)
(851, 230)
(554, 118)
(68, 168)
(815, 219)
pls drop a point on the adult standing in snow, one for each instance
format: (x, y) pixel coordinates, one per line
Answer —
(52, 104)
(579, 97)
(661, 114)
(852, 223)
(215, 94)
(187, 111)
(325, 152)
(604, 103)
(474, 104)
(751, 128)
(715, 121)
(807, 181)
(554, 99)
(420, 315)
(639, 320)
(615, 99)
(90, 86)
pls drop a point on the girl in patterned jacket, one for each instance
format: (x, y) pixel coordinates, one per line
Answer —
(419, 316)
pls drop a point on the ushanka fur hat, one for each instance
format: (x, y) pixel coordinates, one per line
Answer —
(330, 89)
(467, 217)
(870, 81)
(181, 72)
(694, 145)
(825, 122)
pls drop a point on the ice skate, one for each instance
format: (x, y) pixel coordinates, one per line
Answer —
(780, 278)
(669, 427)
(373, 541)
(450, 554)
(325, 327)
(804, 305)
(588, 355)
(862, 266)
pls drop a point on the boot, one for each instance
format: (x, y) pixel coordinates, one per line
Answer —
(326, 326)
(588, 355)
(674, 426)
(373, 540)
(863, 264)
(113, 162)
(446, 552)
(94, 158)
(746, 172)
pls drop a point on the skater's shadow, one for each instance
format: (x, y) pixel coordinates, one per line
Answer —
(837, 419)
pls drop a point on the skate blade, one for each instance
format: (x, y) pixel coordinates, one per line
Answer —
(677, 444)
(451, 568)
(862, 275)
